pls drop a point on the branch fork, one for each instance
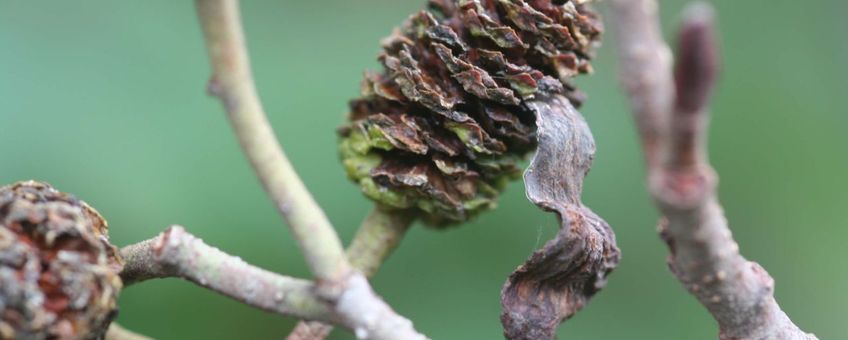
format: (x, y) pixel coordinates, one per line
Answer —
(338, 285)
(351, 303)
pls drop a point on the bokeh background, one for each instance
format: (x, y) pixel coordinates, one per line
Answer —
(105, 99)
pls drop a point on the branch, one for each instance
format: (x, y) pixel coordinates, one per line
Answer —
(116, 332)
(232, 82)
(346, 290)
(645, 68)
(176, 253)
(379, 234)
(671, 113)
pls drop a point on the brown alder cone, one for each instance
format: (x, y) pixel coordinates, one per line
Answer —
(441, 130)
(58, 272)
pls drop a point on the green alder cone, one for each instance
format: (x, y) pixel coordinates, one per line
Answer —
(441, 130)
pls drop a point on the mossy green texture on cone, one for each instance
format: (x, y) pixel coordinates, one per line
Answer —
(58, 272)
(442, 128)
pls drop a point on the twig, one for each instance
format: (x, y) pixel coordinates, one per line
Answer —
(232, 82)
(671, 113)
(116, 332)
(645, 68)
(176, 253)
(379, 234)
(346, 290)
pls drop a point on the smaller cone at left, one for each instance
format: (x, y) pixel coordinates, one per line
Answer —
(58, 271)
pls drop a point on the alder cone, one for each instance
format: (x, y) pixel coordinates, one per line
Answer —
(58, 272)
(441, 129)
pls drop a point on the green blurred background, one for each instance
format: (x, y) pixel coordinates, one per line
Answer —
(105, 99)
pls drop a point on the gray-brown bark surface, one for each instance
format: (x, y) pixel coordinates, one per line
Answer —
(672, 115)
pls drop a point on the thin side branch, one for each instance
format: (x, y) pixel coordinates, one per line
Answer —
(177, 253)
(232, 82)
(346, 290)
(672, 115)
(378, 236)
(116, 332)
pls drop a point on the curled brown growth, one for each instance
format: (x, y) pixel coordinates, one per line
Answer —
(558, 280)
